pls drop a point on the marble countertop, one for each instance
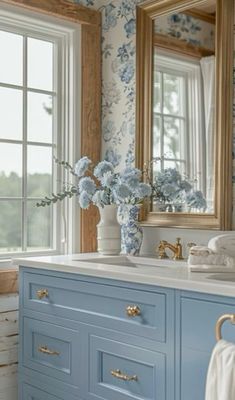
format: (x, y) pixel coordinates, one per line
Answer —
(176, 276)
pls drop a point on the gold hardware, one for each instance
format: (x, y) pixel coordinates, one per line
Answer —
(119, 375)
(219, 323)
(41, 293)
(45, 350)
(133, 311)
(176, 249)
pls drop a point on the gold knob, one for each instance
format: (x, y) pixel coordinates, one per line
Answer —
(41, 293)
(45, 350)
(133, 311)
(119, 375)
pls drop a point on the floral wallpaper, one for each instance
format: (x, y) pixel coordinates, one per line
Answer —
(118, 100)
(184, 27)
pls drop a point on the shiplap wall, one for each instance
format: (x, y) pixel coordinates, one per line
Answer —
(8, 346)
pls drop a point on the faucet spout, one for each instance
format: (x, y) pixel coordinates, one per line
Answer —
(175, 248)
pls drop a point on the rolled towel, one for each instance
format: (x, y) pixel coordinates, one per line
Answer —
(211, 259)
(223, 244)
(201, 251)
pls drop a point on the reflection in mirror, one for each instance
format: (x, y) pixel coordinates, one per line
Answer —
(183, 135)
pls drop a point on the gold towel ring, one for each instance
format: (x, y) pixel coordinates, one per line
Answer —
(219, 323)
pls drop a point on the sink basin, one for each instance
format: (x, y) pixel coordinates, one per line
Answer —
(228, 277)
(134, 262)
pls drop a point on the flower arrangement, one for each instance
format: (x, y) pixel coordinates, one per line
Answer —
(101, 185)
(170, 187)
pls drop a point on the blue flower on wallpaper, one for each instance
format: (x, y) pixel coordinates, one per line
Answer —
(126, 72)
(130, 27)
(109, 16)
(130, 155)
(111, 95)
(108, 130)
(113, 156)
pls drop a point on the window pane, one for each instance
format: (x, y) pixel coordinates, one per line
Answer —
(39, 118)
(157, 91)
(11, 65)
(173, 94)
(10, 170)
(173, 138)
(39, 171)
(10, 221)
(156, 136)
(39, 225)
(40, 64)
(11, 110)
(180, 166)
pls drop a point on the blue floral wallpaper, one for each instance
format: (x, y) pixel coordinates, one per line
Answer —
(184, 27)
(118, 100)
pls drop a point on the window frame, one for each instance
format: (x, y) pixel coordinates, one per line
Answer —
(67, 36)
(191, 71)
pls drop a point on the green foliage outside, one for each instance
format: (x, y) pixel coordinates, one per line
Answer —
(38, 219)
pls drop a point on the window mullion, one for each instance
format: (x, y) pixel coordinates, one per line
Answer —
(24, 175)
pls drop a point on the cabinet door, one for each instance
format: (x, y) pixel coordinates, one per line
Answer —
(198, 319)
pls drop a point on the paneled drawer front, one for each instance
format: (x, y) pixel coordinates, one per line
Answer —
(119, 371)
(31, 393)
(132, 311)
(51, 350)
(198, 323)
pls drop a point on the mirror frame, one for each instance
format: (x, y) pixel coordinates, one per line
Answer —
(146, 13)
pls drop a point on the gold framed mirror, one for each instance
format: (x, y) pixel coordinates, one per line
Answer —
(184, 111)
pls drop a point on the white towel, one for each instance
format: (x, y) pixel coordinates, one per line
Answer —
(223, 244)
(211, 259)
(200, 251)
(220, 383)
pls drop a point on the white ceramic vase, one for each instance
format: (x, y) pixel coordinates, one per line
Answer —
(108, 231)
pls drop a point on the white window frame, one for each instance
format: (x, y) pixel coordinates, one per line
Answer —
(67, 37)
(194, 122)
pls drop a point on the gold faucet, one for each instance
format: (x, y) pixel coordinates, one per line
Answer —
(176, 249)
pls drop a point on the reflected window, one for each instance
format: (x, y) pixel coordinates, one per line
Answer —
(179, 136)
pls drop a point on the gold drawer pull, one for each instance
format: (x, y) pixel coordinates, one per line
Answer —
(133, 311)
(45, 350)
(41, 293)
(119, 375)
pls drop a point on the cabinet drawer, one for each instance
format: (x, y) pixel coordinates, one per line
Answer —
(198, 323)
(99, 304)
(120, 371)
(29, 392)
(51, 350)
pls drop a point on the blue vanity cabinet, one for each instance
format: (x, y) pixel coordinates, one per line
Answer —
(94, 339)
(197, 316)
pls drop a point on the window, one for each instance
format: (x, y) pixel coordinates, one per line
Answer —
(178, 126)
(36, 125)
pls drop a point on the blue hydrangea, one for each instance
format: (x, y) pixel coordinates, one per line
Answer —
(102, 168)
(196, 199)
(82, 166)
(108, 180)
(100, 198)
(143, 190)
(87, 185)
(131, 171)
(122, 192)
(84, 200)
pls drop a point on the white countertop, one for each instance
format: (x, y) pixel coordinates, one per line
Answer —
(177, 276)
